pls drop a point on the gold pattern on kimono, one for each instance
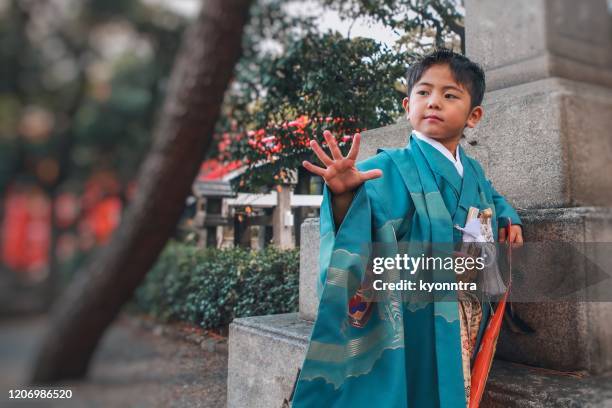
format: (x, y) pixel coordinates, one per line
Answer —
(470, 316)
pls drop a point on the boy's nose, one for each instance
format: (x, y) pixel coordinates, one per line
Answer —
(433, 103)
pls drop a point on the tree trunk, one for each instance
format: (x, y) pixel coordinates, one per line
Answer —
(203, 68)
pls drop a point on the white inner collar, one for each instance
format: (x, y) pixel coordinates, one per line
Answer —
(440, 147)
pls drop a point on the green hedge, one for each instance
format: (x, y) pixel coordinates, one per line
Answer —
(209, 287)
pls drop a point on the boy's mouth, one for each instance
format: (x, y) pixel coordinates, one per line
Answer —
(432, 118)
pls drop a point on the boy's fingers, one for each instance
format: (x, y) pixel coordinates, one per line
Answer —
(352, 154)
(371, 174)
(319, 171)
(515, 233)
(512, 236)
(333, 145)
(502, 235)
(320, 153)
(518, 239)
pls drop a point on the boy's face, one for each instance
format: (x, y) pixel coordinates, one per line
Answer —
(439, 107)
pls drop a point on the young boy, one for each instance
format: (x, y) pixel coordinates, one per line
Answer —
(389, 353)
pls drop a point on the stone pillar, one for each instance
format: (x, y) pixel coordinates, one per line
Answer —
(546, 144)
(282, 218)
(528, 40)
(545, 137)
(198, 221)
(227, 231)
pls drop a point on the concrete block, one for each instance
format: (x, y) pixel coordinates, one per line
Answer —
(547, 144)
(572, 334)
(539, 39)
(391, 136)
(515, 385)
(265, 353)
(309, 269)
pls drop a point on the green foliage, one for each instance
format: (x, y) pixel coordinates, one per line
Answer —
(269, 30)
(321, 75)
(336, 83)
(270, 162)
(327, 75)
(357, 82)
(210, 287)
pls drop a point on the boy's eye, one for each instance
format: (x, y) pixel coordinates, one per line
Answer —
(423, 93)
(450, 96)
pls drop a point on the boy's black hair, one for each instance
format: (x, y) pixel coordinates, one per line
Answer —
(467, 73)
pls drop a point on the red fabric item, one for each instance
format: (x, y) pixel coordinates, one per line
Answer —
(104, 217)
(25, 231)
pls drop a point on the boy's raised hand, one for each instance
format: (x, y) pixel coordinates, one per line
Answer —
(341, 175)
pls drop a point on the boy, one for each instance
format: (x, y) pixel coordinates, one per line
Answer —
(387, 353)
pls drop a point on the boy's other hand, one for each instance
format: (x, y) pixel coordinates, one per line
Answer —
(515, 238)
(340, 174)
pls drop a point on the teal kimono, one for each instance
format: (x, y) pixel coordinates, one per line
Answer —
(407, 354)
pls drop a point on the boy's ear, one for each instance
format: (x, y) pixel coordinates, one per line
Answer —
(405, 103)
(475, 116)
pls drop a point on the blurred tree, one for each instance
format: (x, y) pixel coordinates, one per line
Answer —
(80, 85)
(200, 76)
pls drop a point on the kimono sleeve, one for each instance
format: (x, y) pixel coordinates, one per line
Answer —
(503, 209)
(345, 249)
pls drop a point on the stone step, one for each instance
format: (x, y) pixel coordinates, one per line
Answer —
(571, 335)
(265, 353)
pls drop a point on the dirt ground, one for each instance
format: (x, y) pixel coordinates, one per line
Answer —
(138, 364)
